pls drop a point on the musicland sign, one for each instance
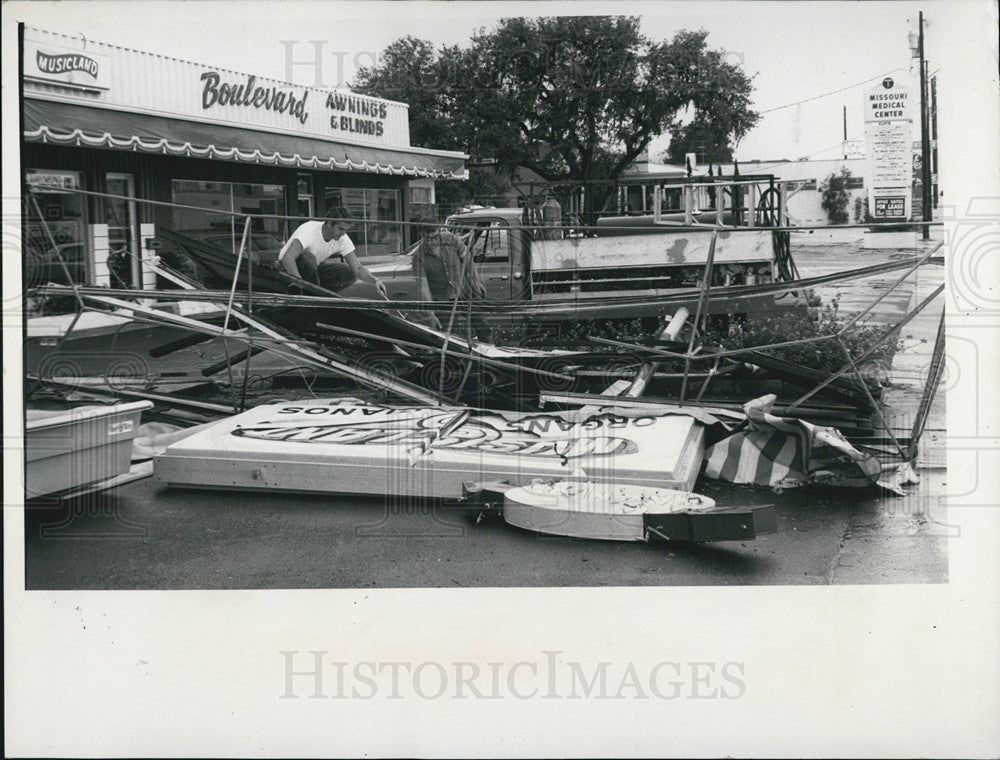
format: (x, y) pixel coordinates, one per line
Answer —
(82, 68)
(888, 112)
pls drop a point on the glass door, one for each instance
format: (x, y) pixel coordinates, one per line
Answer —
(124, 256)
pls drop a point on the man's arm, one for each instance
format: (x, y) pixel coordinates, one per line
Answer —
(423, 289)
(290, 259)
(361, 273)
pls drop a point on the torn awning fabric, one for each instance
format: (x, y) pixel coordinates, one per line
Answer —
(786, 453)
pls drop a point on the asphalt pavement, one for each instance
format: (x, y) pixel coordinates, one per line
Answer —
(147, 536)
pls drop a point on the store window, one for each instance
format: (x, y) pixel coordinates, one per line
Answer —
(375, 233)
(61, 214)
(420, 195)
(305, 196)
(208, 214)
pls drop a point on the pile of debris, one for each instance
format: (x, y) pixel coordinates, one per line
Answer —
(604, 440)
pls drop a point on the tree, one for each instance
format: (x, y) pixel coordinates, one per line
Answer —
(412, 71)
(581, 97)
(409, 71)
(720, 113)
(833, 191)
(571, 98)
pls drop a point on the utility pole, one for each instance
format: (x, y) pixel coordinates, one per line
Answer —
(934, 134)
(845, 133)
(925, 142)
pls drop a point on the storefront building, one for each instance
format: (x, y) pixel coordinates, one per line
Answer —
(139, 126)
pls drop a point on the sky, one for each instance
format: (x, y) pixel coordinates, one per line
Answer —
(823, 53)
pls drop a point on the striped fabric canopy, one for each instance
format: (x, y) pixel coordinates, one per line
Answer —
(785, 453)
(85, 126)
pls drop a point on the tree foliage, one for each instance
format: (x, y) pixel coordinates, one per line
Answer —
(720, 113)
(409, 70)
(833, 191)
(571, 98)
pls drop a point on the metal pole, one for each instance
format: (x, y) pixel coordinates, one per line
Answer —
(701, 311)
(229, 309)
(864, 387)
(930, 389)
(236, 273)
(872, 348)
(925, 142)
(934, 134)
(845, 133)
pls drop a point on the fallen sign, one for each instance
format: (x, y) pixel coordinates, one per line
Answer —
(346, 446)
(627, 513)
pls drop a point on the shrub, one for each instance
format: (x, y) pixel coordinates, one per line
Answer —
(825, 355)
(835, 196)
(576, 335)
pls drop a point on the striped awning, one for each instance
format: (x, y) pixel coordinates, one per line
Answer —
(57, 123)
(784, 452)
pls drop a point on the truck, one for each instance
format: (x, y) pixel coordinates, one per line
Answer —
(617, 266)
(521, 264)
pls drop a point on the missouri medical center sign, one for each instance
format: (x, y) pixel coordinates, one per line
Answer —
(889, 112)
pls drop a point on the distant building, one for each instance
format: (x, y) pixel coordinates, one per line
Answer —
(804, 198)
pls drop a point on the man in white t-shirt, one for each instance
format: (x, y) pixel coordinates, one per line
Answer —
(321, 252)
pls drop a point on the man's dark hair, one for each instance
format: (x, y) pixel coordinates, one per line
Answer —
(339, 214)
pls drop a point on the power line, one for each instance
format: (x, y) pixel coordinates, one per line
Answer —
(832, 92)
(816, 153)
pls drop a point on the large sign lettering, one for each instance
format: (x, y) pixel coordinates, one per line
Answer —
(352, 116)
(107, 76)
(353, 446)
(81, 67)
(345, 105)
(542, 435)
(61, 64)
(248, 94)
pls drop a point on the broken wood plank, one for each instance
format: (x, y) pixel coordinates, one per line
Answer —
(646, 372)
